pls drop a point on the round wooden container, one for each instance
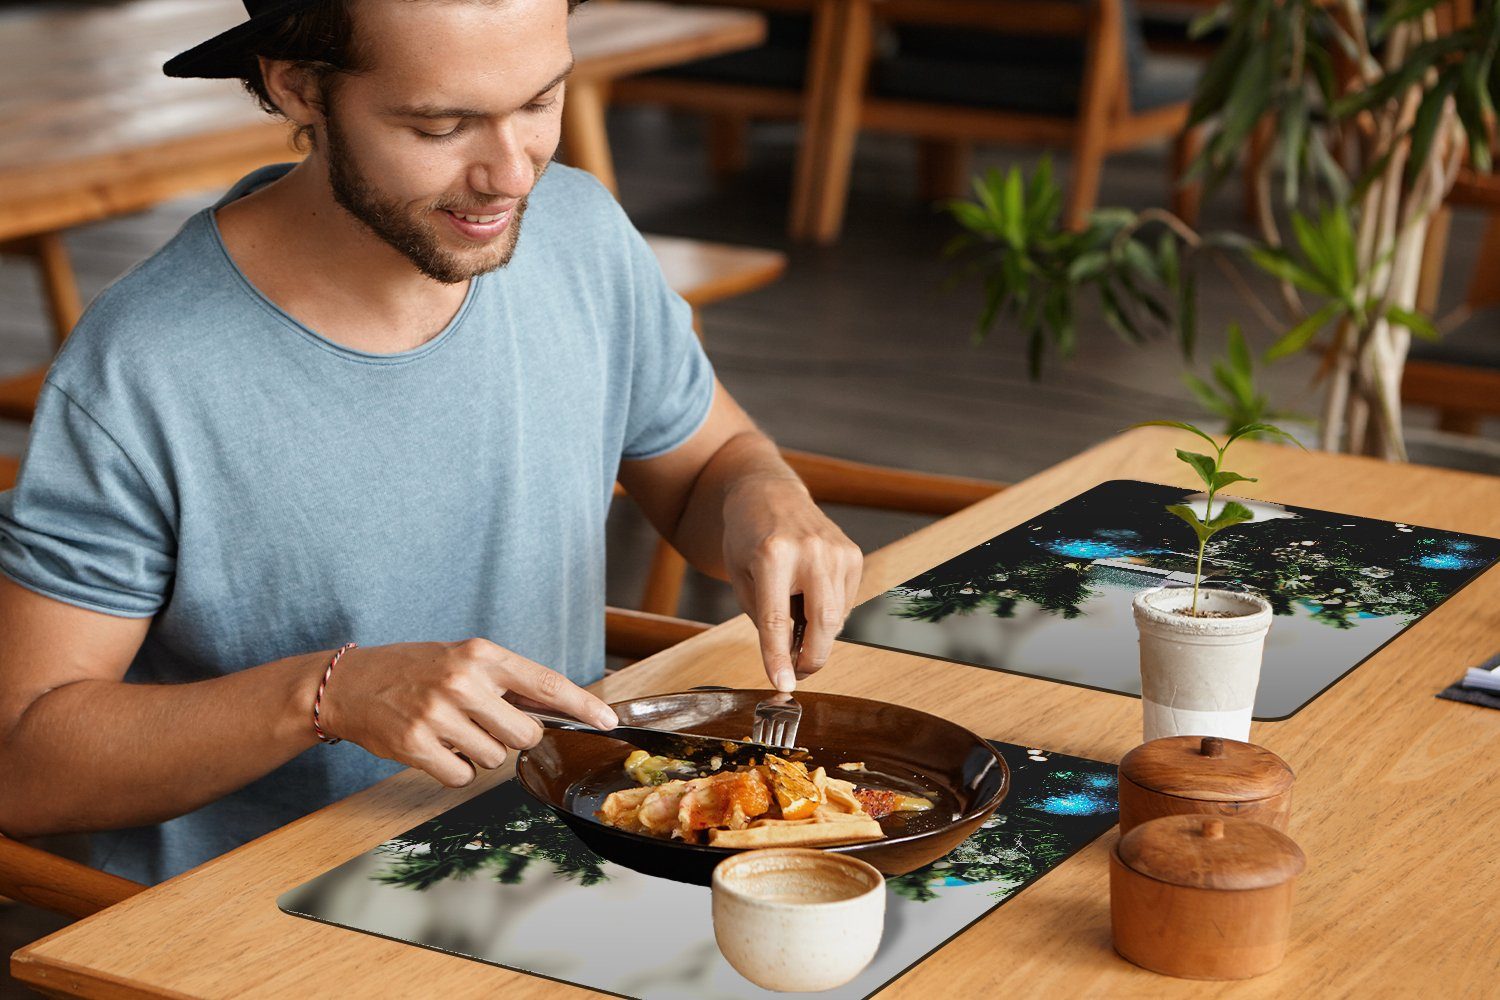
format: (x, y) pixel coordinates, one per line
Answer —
(1204, 775)
(1203, 897)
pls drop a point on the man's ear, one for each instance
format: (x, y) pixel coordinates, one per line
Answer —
(293, 90)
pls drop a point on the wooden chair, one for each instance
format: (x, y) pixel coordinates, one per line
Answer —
(1460, 375)
(846, 83)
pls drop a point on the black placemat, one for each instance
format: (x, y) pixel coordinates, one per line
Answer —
(501, 880)
(1051, 597)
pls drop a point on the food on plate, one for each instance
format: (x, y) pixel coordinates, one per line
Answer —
(778, 803)
(882, 802)
(644, 769)
(796, 793)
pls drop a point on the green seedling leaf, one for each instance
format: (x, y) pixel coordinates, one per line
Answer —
(1202, 464)
(1231, 514)
(1180, 426)
(1223, 479)
(1203, 531)
(1259, 428)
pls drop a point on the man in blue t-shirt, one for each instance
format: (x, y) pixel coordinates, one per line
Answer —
(349, 403)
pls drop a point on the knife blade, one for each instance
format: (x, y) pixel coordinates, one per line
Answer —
(692, 747)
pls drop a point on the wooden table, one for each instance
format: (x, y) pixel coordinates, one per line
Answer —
(1395, 801)
(93, 129)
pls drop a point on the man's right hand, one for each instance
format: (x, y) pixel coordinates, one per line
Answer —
(424, 703)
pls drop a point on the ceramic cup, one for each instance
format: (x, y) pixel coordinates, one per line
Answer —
(1199, 675)
(797, 920)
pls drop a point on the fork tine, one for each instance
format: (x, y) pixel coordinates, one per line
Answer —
(758, 731)
(778, 732)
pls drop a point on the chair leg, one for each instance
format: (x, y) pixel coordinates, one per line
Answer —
(943, 168)
(728, 145)
(1187, 199)
(1104, 74)
(664, 580)
(59, 284)
(1484, 287)
(822, 57)
(585, 140)
(841, 48)
(1434, 254)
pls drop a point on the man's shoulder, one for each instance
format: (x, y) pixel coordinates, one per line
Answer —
(576, 232)
(571, 208)
(151, 317)
(578, 189)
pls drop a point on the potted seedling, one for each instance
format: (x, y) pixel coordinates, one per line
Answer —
(1201, 646)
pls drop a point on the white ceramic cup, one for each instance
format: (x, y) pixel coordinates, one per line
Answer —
(797, 920)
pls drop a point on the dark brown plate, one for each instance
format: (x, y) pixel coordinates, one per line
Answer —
(571, 772)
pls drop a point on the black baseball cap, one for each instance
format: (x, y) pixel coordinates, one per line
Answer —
(227, 53)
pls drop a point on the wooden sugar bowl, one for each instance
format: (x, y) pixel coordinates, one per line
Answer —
(1203, 897)
(1204, 775)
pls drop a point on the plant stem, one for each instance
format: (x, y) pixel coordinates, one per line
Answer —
(1198, 577)
(1208, 515)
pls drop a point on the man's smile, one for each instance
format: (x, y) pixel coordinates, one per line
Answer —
(478, 227)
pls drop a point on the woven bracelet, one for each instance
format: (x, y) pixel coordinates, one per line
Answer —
(318, 700)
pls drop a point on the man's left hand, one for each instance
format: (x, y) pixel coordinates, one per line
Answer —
(778, 544)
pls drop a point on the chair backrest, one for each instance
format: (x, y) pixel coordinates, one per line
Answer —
(9, 468)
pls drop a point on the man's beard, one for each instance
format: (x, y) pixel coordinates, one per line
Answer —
(414, 237)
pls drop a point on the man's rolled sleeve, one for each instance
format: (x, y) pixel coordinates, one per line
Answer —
(82, 524)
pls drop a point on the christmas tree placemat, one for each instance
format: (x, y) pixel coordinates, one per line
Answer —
(501, 880)
(1052, 596)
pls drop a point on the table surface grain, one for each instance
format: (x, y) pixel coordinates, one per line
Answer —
(1395, 802)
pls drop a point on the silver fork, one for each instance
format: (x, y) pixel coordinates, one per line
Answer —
(776, 722)
(777, 718)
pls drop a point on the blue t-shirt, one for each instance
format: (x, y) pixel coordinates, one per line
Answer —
(200, 456)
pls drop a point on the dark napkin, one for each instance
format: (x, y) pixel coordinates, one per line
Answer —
(1474, 696)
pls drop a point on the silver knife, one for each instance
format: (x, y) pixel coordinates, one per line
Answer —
(698, 750)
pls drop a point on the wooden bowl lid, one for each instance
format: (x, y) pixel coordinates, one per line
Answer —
(1208, 768)
(1212, 852)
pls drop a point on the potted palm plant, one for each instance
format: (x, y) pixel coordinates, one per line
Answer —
(1368, 122)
